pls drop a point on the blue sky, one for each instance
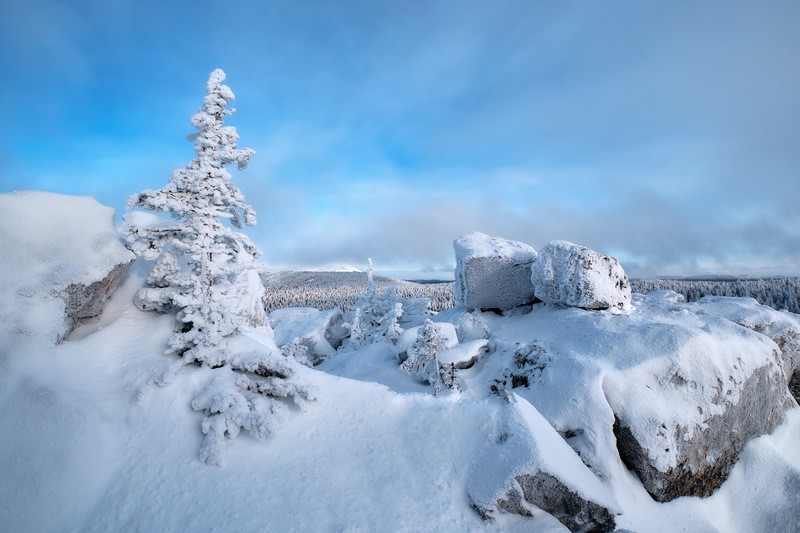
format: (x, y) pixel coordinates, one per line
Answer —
(664, 133)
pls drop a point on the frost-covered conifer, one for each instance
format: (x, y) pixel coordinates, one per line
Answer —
(423, 359)
(246, 394)
(375, 316)
(205, 271)
(296, 350)
(202, 264)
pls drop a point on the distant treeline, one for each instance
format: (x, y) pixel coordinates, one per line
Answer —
(776, 292)
(326, 290)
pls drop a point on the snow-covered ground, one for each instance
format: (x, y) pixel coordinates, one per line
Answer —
(90, 442)
(88, 445)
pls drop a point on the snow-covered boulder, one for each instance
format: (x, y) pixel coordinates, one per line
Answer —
(61, 259)
(528, 465)
(491, 272)
(321, 332)
(780, 326)
(463, 355)
(675, 392)
(574, 275)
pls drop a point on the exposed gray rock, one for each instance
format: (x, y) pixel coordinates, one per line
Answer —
(574, 275)
(62, 257)
(706, 458)
(85, 302)
(492, 273)
(548, 493)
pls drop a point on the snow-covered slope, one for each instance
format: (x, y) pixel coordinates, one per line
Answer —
(86, 437)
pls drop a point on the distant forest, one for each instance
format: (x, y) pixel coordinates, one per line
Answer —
(776, 292)
(326, 290)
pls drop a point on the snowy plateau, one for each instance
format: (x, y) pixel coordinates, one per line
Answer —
(657, 415)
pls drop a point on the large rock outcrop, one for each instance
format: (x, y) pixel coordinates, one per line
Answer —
(673, 391)
(62, 258)
(492, 273)
(574, 275)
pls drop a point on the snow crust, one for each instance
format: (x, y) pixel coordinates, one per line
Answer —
(652, 366)
(95, 444)
(780, 326)
(314, 329)
(528, 444)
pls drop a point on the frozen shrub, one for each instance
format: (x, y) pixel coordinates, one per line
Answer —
(423, 359)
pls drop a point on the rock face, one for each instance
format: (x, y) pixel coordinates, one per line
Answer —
(62, 257)
(732, 385)
(671, 390)
(492, 273)
(706, 457)
(574, 275)
(84, 302)
(546, 492)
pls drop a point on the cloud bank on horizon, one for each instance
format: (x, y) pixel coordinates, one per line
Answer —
(665, 134)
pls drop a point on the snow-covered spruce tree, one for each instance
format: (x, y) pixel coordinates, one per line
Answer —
(375, 316)
(206, 272)
(423, 359)
(203, 268)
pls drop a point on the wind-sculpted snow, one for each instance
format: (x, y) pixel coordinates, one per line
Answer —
(377, 451)
(685, 390)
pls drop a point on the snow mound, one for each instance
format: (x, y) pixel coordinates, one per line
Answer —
(491, 272)
(407, 338)
(575, 275)
(61, 259)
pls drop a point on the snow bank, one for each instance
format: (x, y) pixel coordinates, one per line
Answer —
(491, 272)
(61, 259)
(575, 275)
